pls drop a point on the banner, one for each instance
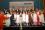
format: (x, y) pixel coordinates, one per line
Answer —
(22, 4)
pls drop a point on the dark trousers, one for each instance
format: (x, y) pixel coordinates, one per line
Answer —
(12, 22)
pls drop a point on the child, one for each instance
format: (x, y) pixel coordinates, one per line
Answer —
(27, 18)
(41, 16)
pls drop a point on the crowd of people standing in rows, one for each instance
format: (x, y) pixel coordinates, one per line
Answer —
(28, 17)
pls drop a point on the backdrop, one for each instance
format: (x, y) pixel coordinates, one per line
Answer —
(37, 3)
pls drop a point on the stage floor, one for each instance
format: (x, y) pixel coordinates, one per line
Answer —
(25, 28)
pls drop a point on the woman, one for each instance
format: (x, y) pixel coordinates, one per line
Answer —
(2, 19)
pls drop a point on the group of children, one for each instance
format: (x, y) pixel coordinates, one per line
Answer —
(28, 17)
(31, 17)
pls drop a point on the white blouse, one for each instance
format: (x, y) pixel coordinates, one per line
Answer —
(15, 16)
(24, 17)
(34, 17)
(41, 17)
(18, 18)
(8, 20)
(27, 18)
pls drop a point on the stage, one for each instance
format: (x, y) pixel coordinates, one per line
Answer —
(25, 28)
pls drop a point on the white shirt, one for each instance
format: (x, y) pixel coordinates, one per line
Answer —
(41, 17)
(8, 20)
(34, 17)
(24, 17)
(18, 18)
(15, 16)
(8, 15)
(27, 18)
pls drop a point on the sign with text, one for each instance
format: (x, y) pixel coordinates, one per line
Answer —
(22, 4)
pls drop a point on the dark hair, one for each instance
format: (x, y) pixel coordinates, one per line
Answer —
(31, 10)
